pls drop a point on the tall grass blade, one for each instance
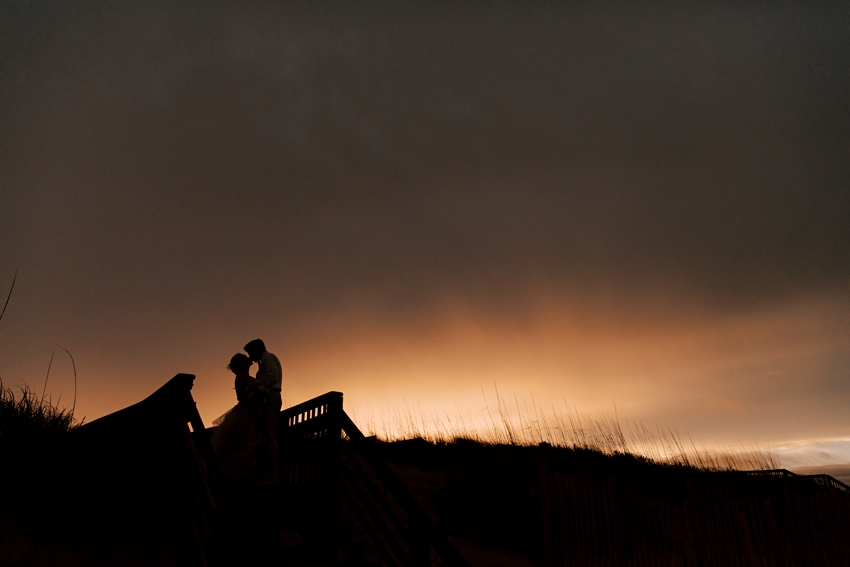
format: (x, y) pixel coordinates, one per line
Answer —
(8, 297)
(521, 425)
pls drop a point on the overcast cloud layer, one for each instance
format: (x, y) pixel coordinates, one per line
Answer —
(646, 203)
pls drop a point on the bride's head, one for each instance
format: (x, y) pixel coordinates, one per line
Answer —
(239, 363)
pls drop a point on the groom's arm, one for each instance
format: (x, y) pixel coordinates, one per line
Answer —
(262, 382)
(269, 374)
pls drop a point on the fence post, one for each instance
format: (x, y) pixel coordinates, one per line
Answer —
(545, 497)
(418, 541)
(334, 455)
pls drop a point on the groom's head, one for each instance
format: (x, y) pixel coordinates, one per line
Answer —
(255, 349)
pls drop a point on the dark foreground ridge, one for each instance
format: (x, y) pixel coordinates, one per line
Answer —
(553, 506)
(142, 487)
(157, 456)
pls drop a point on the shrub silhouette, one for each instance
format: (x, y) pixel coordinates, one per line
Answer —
(34, 448)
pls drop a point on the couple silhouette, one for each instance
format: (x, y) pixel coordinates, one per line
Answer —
(245, 439)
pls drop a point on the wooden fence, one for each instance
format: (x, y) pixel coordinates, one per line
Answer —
(719, 521)
(308, 437)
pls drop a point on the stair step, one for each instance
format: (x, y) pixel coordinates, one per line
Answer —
(289, 526)
(270, 512)
(353, 549)
(289, 549)
(292, 555)
(308, 491)
(308, 531)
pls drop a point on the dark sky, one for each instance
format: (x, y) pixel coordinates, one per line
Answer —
(589, 202)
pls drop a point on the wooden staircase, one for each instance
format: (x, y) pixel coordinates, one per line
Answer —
(161, 448)
(278, 526)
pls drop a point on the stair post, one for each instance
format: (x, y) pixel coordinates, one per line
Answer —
(418, 541)
(334, 433)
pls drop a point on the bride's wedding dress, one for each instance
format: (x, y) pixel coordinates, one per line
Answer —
(237, 435)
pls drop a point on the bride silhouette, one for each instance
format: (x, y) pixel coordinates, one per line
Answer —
(236, 440)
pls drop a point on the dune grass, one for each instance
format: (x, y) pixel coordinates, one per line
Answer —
(520, 424)
(34, 449)
(24, 415)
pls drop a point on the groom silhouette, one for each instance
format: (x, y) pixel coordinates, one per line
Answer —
(268, 382)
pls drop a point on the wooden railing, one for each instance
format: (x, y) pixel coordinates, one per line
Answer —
(775, 473)
(203, 478)
(313, 418)
(379, 499)
(780, 520)
(826, 480)
(156, 453)
(160, 445)
(308, 441)
(421, 532)
(205, 475)
(820, 479)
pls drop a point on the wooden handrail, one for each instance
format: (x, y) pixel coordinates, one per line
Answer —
(324, 416)
(112, 443)
(311, 408)
(826, 480)
(820, 479)
(419, 519)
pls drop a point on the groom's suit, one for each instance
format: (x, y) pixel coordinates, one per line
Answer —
(269, 376)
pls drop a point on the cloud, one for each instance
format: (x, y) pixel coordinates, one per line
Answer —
(482, 157)
(178, 178)
(801, 454)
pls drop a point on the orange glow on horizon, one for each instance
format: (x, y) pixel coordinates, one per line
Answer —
(671, 373)
(707, 377)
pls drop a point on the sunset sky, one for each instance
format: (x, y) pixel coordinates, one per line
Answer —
(583, 204)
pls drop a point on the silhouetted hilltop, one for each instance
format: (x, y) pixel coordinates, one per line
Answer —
(538, 505)
(488, 497)
(81, 497)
